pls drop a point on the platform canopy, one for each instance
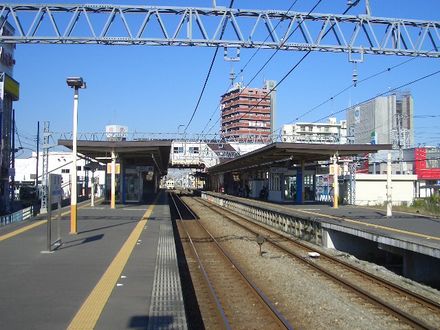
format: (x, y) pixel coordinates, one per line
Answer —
(154, 152)
(296, 153)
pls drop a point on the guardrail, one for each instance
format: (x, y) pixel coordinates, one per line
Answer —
(18, 216)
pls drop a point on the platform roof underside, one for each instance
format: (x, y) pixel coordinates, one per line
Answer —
(296, 153)
(154, 152)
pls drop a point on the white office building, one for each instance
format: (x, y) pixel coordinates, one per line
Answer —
(330, 132)
(384, 120)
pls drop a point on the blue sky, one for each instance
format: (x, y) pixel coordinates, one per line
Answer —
(155, 89)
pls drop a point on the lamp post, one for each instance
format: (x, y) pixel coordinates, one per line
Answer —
(76, 83)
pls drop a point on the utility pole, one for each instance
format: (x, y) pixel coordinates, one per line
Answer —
(389, 196)
(113, 181)
(92, 197)
(38, 156)
(335, 182)
(12, 184)
(399, 125)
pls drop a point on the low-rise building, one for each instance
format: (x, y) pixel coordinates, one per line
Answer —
(330, 132)
(60, 163)
(421, 161)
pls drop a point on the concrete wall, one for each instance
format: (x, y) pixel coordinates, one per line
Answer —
(371, 189)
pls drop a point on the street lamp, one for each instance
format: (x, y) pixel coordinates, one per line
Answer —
(76, 83)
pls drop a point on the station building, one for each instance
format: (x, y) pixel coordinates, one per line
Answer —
(139, 166)
(282, 172)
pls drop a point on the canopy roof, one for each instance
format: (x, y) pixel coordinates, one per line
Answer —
(296, 152)
(153, 152)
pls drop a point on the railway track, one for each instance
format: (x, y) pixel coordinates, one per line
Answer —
(409, 307)
(238, 302)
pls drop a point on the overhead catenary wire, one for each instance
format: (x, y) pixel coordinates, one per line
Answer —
(351, 86)
(375, 127)
(388, 91)
(208, 74)
(249, 60)
(294, 67)
(259, 47)
(272, 56)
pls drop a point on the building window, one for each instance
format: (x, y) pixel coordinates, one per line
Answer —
(193, 150)
(78, 168)
(178, 150)
(432, 158)
(65, 170)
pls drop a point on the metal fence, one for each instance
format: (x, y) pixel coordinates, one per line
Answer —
(18, 216)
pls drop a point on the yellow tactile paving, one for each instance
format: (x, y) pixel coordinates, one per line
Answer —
(91, 309)
(367, 224)
(22, 230)
(29, 227)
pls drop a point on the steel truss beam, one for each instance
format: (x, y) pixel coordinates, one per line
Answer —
(190, 138)
(180, 26)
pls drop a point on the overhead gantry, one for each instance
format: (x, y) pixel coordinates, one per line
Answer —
(218, 26)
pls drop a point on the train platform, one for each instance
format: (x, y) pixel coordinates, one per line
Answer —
(119, 272)
(401, 225)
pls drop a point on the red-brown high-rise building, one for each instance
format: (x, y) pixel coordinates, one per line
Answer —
(248, 113)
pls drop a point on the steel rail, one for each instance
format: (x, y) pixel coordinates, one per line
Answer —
(397, 312)
(202, 268)
(259, 293)
(390, 285)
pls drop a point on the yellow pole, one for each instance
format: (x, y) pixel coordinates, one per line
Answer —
(335, 181)
(113, 181)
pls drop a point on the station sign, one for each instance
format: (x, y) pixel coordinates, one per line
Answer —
(7, 61)
(281, 170)
(116, 132)
(109, 168)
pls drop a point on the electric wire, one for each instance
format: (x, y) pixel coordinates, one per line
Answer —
(293, 68)
(282, 44)
(273, 30)
(351, 86)
(381, 94)
(272, 56)
(384, 123)
(18, 136)
(209, 73)
(249, 60)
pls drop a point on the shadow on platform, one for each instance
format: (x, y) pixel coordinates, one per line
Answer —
(79, 241)
(141, 322)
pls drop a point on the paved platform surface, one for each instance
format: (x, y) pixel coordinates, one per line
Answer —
(409, 227)
(118, 272)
